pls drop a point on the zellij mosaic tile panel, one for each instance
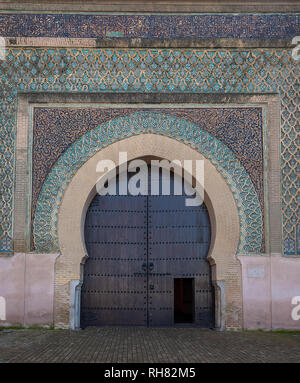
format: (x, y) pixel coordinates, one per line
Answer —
(152, 70)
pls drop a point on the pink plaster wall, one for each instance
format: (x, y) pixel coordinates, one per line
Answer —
(12, 288)
(27, 284)
(269, 284)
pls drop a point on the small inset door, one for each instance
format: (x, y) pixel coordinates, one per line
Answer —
(184, 300)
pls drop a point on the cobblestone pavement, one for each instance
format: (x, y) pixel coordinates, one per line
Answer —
(169, 345)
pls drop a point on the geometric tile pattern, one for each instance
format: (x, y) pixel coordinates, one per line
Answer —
(46, 216)
(153, 70)
(240, 129)
(264, 26)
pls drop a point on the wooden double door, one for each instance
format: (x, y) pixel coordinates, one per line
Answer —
(146, 262)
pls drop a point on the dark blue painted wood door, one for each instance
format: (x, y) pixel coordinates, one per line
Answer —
(137, 246)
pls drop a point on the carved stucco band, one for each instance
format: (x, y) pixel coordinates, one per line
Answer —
(250, 215)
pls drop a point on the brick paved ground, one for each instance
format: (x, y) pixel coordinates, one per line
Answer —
(147, 345)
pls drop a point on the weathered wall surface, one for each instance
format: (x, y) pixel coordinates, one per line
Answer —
(27, 286)
(269, 285)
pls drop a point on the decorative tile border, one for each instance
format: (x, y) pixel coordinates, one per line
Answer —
(46, 217)
(262, 26)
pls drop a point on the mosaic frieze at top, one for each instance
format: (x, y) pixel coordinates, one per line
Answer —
(159, 26)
